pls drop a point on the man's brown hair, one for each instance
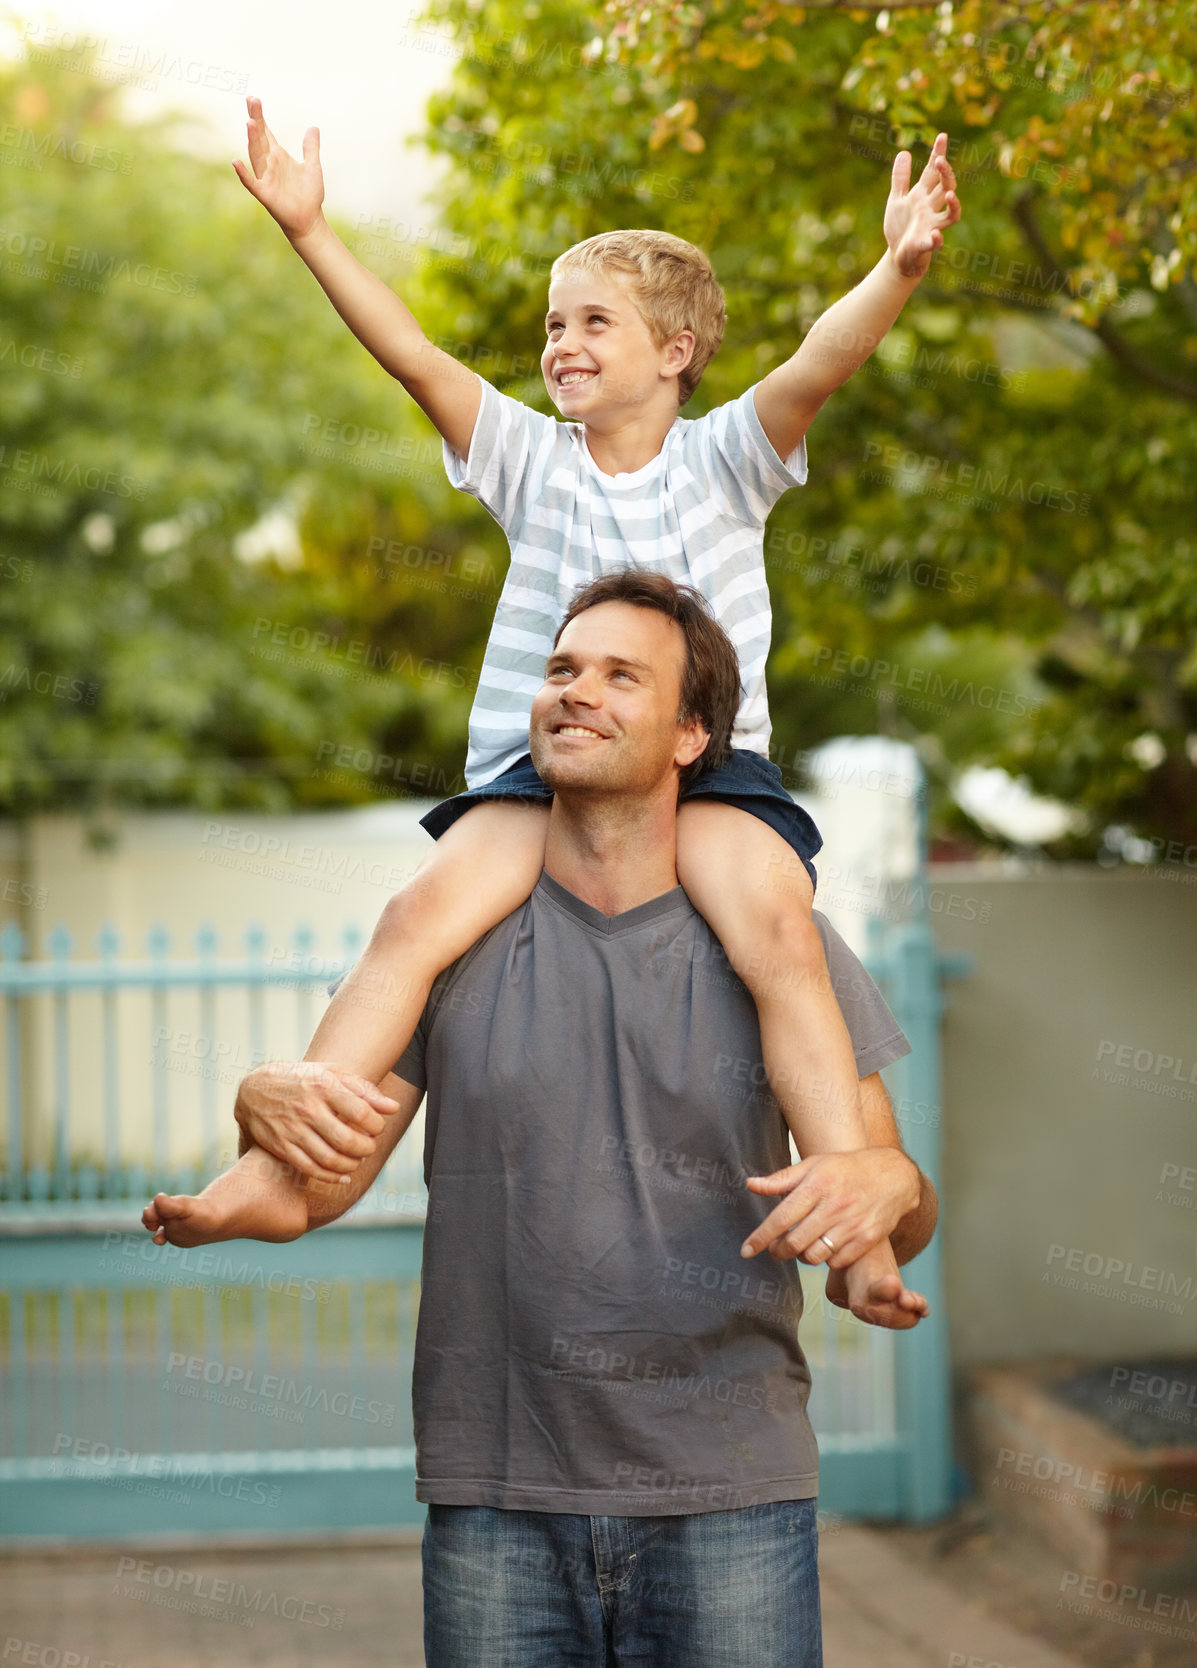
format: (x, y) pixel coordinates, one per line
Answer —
(671, 283)
(711, 674)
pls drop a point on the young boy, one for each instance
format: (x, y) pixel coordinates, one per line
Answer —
(633, 319)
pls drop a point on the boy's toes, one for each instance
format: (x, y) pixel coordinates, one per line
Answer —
(892, 1316)
(171, 1215)
(886, 1288)
(170, 1205)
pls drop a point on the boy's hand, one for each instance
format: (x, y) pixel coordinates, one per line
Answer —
(874, 1291)
(915, 215)
(291, 191)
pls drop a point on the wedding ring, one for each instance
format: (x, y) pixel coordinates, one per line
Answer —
(827, 1243)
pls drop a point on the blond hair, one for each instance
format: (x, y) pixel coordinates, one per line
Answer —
(672, 286)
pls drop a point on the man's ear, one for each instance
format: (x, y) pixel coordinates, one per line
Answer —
(691, 743)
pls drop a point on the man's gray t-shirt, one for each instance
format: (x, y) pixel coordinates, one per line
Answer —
(590, 1339)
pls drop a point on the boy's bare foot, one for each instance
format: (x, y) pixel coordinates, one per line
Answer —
(253, 1200)
(875, 1292)
(182, 1219)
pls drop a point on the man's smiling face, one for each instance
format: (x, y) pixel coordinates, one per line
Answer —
(606, 717)
(599, 352)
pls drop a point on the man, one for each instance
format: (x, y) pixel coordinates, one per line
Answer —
(610, 1398)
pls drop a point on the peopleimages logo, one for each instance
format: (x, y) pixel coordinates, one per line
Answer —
(124, 1468)
(928, 472)
(39, 468)
(84, 268)
(921, 680)
(31, 1653)
(207, 1264)
(1170, 1606)
(1103, 1486)
(1115, 1277)
(1147, 1061)
(290, 1399)
(221, 1597)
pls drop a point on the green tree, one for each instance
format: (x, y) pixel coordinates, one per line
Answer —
(995, 556)
(174, 383)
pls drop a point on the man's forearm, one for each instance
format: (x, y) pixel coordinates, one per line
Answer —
(326, 1201)
(915, 1229)
(258, 1185)
(842, 338)
(265, 1091)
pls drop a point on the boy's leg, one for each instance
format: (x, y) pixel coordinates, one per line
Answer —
(484, 866)
(754, 893)
(258, 1198)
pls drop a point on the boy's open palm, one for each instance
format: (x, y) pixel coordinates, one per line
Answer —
(291, 191)
(916, 215)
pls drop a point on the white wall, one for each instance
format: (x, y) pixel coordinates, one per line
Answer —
(1070, 1113)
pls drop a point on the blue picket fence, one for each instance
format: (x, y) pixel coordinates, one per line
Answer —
(238, 1388)
(267, 1387)
(48, 1156)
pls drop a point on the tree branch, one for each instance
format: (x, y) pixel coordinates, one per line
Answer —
(884, 6)
(1119, 350)
(1185, 290)
(1084, 611)
(896, 6)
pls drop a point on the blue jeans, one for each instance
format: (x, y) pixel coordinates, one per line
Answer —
(727, 1589)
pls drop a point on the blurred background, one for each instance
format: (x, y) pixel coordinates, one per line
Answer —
(241, 619)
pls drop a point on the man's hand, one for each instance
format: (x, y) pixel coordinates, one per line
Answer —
(291, 191)
(856, 1199)
(319, 1120)
(884, 1301)
(916, 215)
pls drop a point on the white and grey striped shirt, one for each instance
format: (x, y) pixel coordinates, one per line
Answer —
(697, 513)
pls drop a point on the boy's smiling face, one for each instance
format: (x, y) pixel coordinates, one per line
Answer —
(599, 353)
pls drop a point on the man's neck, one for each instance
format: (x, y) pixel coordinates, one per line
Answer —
(614, 852)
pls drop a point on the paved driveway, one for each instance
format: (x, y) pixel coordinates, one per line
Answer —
(358, 1606)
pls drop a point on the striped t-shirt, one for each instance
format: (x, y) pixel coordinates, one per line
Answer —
(697, 513)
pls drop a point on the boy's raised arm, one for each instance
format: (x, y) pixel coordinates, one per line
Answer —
(843, 337)
(293, 193)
